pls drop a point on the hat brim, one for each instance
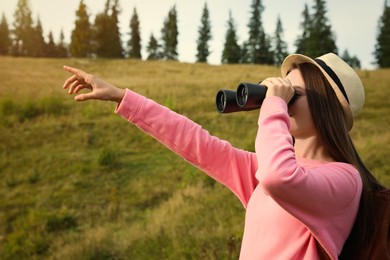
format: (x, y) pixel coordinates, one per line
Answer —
(298, 59)
(295, 59)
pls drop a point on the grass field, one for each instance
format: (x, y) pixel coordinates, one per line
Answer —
(79, 182)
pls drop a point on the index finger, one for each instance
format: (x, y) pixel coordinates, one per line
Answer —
(77, 72)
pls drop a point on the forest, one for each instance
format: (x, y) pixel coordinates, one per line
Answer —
(99, 36)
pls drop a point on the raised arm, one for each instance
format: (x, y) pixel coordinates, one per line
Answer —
(228, 165)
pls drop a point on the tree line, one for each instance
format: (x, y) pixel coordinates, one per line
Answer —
(101, 38)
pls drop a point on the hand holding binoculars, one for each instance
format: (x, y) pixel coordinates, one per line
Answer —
(249, 96)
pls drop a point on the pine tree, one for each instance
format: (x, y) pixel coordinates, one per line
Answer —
(204, 36)
(115, 36)
(231, 52)
(256, 32)
(302, 43)
(382, 47)
(258, 46)
(134, 43)
(169, 34)
(62, 50)
(322, 39)
(51, 48)
(5, 39)
(280, 50)
(317, 37)
(39, 40)
(23, 30)
(153, 49)
(107, 40)
(354, 62)
(102, 32)
(81, 37)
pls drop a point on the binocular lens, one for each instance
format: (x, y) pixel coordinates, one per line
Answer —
(242, 96)
(221, 101)
(226, 101)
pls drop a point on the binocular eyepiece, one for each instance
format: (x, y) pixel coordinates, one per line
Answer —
(249, 96)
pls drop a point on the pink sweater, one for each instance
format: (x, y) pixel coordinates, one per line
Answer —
(290, 202)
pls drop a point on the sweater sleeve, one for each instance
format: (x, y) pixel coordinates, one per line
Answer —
(234, 168)
(323, 196)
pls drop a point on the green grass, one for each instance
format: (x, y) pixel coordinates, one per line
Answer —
(79, 182)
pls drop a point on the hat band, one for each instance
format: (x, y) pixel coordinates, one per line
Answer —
(333, 75)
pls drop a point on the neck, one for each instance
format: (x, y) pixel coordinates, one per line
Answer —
(311, 148)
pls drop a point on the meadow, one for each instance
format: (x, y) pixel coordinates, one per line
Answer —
(79, 182)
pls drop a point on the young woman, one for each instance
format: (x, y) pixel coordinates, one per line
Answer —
(303, 186)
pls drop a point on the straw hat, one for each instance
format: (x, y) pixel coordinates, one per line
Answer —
(343, 79)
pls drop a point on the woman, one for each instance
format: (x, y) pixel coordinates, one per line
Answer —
(303, 186)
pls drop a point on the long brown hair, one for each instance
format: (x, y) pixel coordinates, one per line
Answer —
(330, 123)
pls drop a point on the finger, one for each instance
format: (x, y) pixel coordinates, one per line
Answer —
(80, 87)
(281, 82)
(74, 85)
(78, 72)
(84, 97)
(80, 75)
(265, 81)
(69, 81)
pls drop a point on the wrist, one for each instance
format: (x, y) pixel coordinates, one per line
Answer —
(119, 94)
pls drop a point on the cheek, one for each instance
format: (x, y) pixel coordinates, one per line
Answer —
(300, 113)
(299, 106)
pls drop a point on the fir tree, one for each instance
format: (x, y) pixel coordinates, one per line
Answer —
(302, 43)
(153, 49)
(102, 32)
(204, 36)
(169, 34)
(62, 50)
(322, 39)
(115, 36)
(354, 62)
(107, 42)
(231, 52)
(23, 30)
(39, 40)
(317, 37)
(51, 48)
(81, 37)
(382, 47)
(258, 46)
(134, 43)
(5, 39)
(280, 49)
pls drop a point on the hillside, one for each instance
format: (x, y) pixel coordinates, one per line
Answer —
(79, 182)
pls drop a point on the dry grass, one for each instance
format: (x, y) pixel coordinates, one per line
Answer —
(80, 183)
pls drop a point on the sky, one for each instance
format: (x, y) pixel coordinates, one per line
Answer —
(353, 22)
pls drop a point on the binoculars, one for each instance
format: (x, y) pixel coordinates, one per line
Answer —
(249, 96)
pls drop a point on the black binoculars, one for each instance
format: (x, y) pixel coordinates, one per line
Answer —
(249, 96)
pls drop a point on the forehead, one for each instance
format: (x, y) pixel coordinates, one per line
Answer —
(295, 77)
